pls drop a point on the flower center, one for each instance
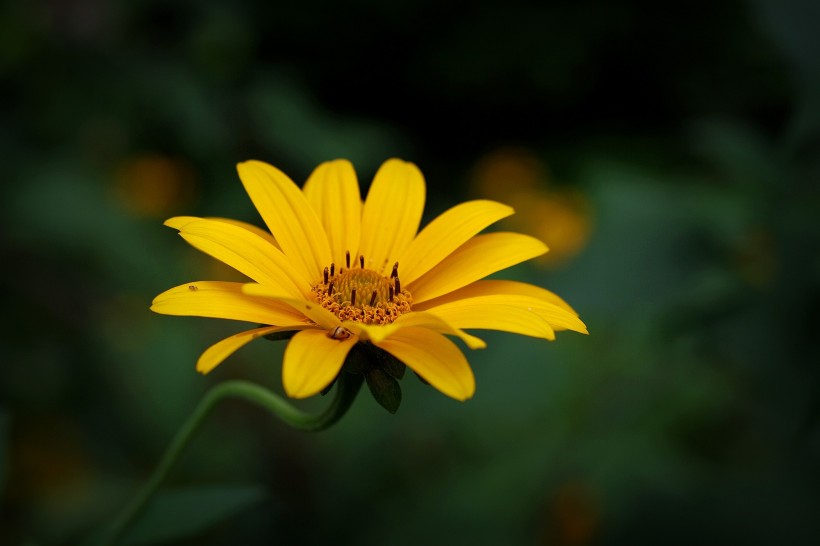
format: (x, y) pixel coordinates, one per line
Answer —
(362, 295)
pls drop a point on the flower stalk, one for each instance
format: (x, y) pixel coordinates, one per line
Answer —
(347, 387)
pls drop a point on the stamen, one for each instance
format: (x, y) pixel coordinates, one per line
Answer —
(337, 291)
(347, 258)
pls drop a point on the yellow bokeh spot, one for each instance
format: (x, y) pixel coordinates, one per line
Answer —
(154, 185)
(560, 217)
(506, 173)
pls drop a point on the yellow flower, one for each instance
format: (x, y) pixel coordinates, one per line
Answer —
(340, 272)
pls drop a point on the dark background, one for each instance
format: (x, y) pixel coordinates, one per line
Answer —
(666, 152)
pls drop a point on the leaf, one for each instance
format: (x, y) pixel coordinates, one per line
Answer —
(184, 512)
(385, 389)
(358, 359)
(391, 364)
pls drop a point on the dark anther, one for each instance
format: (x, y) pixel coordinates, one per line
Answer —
(395, 272)
(390, 292)
(347, 258)
(332, 269)
(398, 286)
(361, 262)
(373, 298)
(330, 289)
(326, 272)
(353, 297)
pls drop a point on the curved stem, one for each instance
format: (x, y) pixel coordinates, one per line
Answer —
(347, 387)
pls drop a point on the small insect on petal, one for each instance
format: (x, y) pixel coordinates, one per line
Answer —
(192, 288)
(339, 333)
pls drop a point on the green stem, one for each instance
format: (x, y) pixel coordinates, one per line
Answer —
(347, 387)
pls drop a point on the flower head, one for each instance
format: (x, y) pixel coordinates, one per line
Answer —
(339, 272)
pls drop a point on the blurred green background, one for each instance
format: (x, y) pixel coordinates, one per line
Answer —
(667, 152)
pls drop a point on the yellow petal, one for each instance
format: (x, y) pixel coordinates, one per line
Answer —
(223, 300)
(489, 313)
(487, 287)
(437, 324)
(178, 221)
(480, 256)
(263, 233)
(378, 332)
(433, 357)
(218, 352)
(496, 287)
(391, 213)
(333, 192)
(246, 252)
(288, 215)
(312, 360)
(446, 233)
(312, 310)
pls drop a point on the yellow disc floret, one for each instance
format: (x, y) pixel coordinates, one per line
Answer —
(362, 295)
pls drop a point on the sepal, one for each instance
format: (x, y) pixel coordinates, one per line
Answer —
(384, 388)
(381, 370)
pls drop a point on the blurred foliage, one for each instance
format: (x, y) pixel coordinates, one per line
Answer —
(180, 513)
(674, 145)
